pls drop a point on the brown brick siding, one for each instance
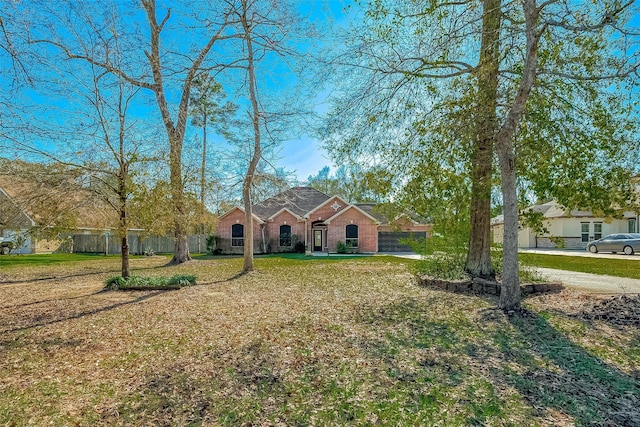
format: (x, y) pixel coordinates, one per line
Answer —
(272, 231)
(367, 231)
(224, 231)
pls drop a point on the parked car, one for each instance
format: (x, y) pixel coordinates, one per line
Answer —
(621, 242)
(6, 245)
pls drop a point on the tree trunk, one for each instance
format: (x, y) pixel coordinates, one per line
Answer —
(478, 262)
(181, 251)
(248, 227)
(510, 292)
(257, 147)
(123, 225)
(124, 251)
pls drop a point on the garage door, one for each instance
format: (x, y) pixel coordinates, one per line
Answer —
(390, 241)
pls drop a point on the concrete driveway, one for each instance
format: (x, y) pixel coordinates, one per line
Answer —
(592, 283)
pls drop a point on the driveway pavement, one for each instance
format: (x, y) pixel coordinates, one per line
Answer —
(593, 283)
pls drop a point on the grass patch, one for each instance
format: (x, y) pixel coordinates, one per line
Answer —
(329, 342)
(610, 267)
(49, 259)
(143, 283)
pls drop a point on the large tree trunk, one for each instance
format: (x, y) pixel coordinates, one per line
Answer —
(479, 253)
(181, 251)
(510, 292)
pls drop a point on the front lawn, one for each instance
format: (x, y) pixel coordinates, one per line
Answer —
(607, 266)
(327, 342)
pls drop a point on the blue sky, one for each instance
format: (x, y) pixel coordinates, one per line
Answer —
(303, 155)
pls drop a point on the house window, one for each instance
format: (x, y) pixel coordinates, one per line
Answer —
(352, 236)
(597, 230)
(632, 225)
(285, 235)
(584, 231)
(237, 235)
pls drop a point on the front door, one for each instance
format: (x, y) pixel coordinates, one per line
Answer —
(317, 240)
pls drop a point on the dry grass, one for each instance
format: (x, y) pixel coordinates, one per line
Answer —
(300, 342)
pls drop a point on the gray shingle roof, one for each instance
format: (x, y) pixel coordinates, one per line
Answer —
(299, 200)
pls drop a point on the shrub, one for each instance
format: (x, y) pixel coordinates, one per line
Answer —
(299, 248)
(115, 282)
(150, 283)
(342, 248)
(214, 245)
(444, 254)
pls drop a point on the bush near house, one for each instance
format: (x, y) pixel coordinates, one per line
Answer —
(137, 283)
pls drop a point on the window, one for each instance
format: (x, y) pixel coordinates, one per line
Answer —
(584, 229)
(597, 230)
(352, 236)
(237, 235)
(285, 235)
(632, 225)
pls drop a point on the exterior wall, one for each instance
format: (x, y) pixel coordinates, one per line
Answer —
(326, 211)
(323, 214)
(526, 238)
(567, 229)
(272, 232)
(497, 233)
(367, 231)
(224, 231)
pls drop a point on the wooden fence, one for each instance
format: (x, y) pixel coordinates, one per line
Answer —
(97, 243)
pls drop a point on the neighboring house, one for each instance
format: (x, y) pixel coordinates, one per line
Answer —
(318, 222)
(15, 224)
(568, 228)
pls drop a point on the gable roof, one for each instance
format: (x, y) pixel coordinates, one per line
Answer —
(328, 221)
(257, 218)
(298, 200)
(298, 217)
(315, 208)
(553, 209)
(11, 215)
(550, 210)
(373, 209)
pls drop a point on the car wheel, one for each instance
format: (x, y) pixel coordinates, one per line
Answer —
(593, 249)
(628, 250)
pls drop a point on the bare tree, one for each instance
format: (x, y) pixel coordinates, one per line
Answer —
(160, 68)
(268, 30)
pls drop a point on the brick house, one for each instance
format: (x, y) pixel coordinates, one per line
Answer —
(308, 218)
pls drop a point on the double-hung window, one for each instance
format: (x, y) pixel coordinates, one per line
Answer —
(285, 235)
(352, 236)
(237, 235)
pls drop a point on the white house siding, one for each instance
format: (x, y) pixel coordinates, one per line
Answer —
(26, 248)
(570, 230)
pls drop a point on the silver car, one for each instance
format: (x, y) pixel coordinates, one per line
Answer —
(622, 242)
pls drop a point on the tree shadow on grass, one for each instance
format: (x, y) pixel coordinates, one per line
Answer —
(554, 372)
(241, 390)
(48, 314)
